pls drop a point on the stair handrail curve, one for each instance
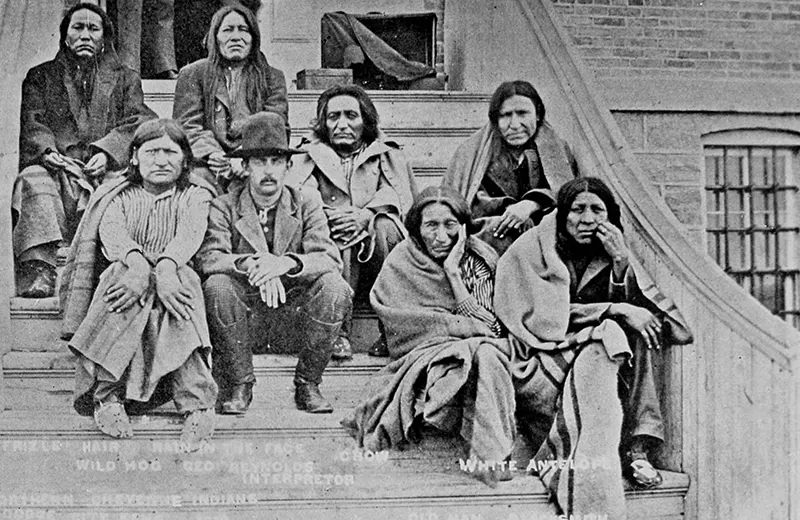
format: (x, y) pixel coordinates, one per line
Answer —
(657, 230)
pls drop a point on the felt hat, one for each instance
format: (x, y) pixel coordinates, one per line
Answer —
(264, 134)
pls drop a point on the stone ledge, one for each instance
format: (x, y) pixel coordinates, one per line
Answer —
(671, 94)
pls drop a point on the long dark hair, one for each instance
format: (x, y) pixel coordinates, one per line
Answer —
(256, 68)
(154, 129)
(369, 114)
(509, 89)
(567, 195)
(502, 160)
(108, 26)
(442, 195)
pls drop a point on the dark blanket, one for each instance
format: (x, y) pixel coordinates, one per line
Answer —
(448, 370)
(340, 30)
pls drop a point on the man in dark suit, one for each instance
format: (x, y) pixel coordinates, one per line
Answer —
(273, 274)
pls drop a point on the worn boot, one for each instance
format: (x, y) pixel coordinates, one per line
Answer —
(233, 366)
(238, 400)
(311, 363)
(308, 399)
(380, 347)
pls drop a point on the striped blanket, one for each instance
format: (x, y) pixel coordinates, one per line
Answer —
(566, 379)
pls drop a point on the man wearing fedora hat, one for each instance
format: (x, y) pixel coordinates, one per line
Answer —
(272, 273)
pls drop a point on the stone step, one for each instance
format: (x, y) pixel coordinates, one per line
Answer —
(44, 381)
(36, 326)
(274, 460)
(400, 111)
(285, 462)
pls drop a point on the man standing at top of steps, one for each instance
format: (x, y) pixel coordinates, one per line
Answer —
(510, 169)
(79, 112)
(366, 186)
(273, 274)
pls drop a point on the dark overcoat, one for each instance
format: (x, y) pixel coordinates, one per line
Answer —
(208, 116)
(50, 115)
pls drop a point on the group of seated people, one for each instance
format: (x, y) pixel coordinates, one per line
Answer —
(509, 304)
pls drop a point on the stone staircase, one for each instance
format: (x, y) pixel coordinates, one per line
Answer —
(274, 462)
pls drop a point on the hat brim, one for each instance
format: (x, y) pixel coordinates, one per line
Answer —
(262, 152)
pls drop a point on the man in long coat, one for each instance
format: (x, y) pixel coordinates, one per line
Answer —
(79, 112)
(366, 186)
(273, 275)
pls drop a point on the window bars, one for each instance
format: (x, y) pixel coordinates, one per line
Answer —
(752, 222)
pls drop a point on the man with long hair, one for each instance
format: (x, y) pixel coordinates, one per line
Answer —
(366, 186)
(215, 95)
(79, 112)
(510, 169)
(584, 319)
(138, 330)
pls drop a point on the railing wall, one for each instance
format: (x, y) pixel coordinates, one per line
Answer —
(731, 397)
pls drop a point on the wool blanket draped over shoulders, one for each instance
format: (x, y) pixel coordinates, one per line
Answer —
(143, 343)
(532, 296)
(471, 161)
(85, 261)
(566, 371)
(438, 356)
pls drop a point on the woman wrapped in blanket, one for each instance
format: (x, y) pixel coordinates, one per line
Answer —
(583, 322)
(450, 362)
(146, 322)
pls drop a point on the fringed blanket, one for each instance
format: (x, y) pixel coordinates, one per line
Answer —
(569, 379)
(439, 357)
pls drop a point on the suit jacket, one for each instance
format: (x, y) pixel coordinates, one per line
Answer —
(51, 104)
(206, 115)
(301, 230)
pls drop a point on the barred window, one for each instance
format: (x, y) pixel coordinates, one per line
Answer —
(752, 207)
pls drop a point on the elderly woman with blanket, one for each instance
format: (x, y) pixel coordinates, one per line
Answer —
(450, 364)
(583, 321)
(139, 331)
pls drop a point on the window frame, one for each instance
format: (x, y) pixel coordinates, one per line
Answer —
(760, 216)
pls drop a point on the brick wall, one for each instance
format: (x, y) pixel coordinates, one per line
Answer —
(688, 38)
(668, 148)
